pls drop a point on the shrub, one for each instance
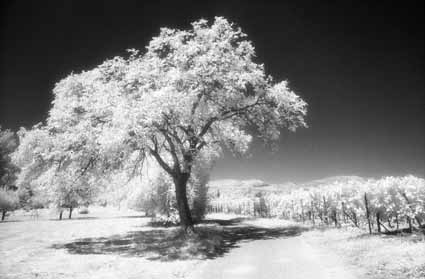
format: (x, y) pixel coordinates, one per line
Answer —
(166, 221)
(155, 196)
(84, 210)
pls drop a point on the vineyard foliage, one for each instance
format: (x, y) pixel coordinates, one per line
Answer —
(390, 202)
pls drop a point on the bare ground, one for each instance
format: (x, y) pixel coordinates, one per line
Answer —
(288, 256)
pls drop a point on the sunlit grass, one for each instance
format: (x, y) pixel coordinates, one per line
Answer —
(375, 256)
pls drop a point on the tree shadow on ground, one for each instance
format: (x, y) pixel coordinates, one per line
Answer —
(214, 238)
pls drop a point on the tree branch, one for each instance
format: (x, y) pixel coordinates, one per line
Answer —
(161, 162)
(207, 126)
(226, 115)
(172, 149)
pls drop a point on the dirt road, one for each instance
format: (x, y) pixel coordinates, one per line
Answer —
(288, 258)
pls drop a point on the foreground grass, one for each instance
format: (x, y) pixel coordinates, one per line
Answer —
(374, 256)
(106, 244)
(119, 244)
(27, 249)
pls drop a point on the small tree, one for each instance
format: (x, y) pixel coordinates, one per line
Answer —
(8, 170)
(67, 192)
(30, 198)
(156, 198)
(59, 177)
(8, 202)
(8, 197)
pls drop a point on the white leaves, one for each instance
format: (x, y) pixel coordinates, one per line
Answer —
(289, 106)
(190, 93)
(233, 137)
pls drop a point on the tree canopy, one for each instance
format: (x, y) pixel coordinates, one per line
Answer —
(189, 94)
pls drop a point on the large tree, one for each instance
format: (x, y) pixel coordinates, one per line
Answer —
(191, 93)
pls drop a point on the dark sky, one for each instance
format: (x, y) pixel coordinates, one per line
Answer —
(359, 65)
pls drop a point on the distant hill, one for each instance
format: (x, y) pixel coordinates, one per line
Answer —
(234, 187)
(226, 183)
(251, 187)
(333, 179)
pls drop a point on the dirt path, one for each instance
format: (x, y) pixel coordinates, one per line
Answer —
(289, 258)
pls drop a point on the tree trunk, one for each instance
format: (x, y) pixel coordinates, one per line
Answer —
(344, 218)
(352, 217)
(418, 221)
(312, 213)
(3, 215)
(397, 223)
(378, 222)
(356, 222)
(367, 212)
(325, 212)
(382, 225)
(302, 211)
(389, 223)
(416, 216)
(409, 221)
(60, 215)
(70, 213)
(335, 217)
(186, 221)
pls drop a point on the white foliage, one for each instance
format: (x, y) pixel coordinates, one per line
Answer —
(188, 95)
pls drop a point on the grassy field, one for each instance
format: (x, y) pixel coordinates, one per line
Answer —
(376, 256)
(33, 248)
(107, 243)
